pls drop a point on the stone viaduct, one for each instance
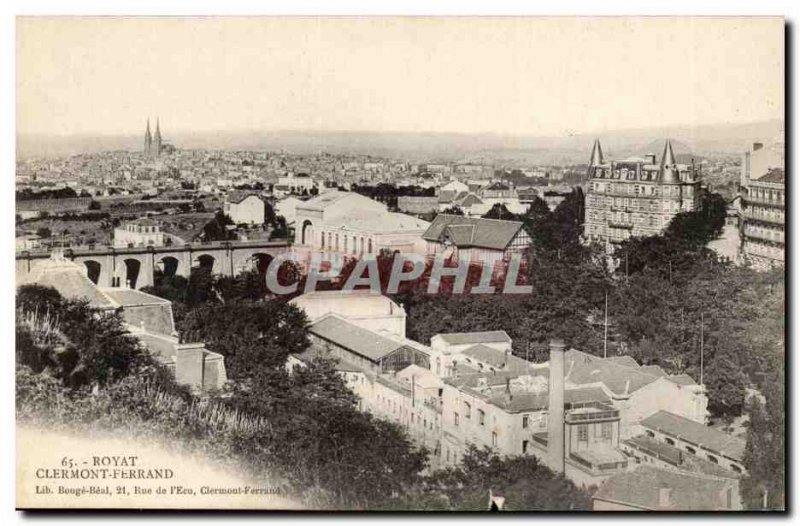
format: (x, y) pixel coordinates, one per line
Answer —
(135, 267)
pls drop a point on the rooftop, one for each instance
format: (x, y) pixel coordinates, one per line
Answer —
(464, 338)
(361, 341)
(696, 433)
(642, 487)
(472, 231)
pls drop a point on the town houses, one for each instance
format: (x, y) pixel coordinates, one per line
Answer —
(637, 196)
(589, 417)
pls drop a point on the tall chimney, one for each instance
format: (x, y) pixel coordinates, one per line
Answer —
(555, 418)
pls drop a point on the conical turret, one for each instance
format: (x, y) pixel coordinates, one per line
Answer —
(669, 169)
(596, 158)
(597, 154)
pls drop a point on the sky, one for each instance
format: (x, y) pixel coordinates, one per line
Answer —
(508, 76)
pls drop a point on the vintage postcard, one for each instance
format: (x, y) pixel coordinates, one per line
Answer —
(400, 263)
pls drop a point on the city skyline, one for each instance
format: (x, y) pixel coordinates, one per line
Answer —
(334, 76)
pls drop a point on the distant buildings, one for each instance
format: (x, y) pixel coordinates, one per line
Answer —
(475, 239)
(764, 205)
(244, 208)
(637, 196)
(139, 233)
(294, 184)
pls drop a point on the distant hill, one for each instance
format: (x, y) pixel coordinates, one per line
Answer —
(725, 139)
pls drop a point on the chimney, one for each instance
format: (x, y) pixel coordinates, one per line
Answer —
(651, 158)
(555, 418)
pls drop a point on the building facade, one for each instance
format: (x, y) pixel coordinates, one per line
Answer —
(763, 206)
(245, 208)
(139, 233)
(348, 224)
(637, 197)
(477, 240)
(582, 415)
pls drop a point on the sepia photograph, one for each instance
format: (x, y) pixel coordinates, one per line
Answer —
(400, 263)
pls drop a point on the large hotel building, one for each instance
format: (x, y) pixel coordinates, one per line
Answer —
(764, 205)
(638, 196)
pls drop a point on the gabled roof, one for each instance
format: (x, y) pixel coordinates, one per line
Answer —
(494, 234)
(467, 199)
(774, 175)
(360, 341)
(496, 358)
(696, 433)
(462, 338)
(641, 488)
(237, 196)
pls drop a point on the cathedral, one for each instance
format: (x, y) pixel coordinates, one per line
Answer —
(152, 144)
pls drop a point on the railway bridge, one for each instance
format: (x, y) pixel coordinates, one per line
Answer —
(135, 267)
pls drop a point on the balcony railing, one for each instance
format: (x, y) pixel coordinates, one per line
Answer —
(777, 218)
(773, 237)
(779, 203)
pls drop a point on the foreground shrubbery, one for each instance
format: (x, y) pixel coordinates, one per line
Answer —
(301, 431)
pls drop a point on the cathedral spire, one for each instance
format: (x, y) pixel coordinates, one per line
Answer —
(157, 139)
(148, 139)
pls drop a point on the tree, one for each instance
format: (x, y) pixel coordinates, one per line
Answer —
(251, 336)
(765, 454)
(499, 211)
(453, 211)
(70, 341)
(324, 439)
(526, 484)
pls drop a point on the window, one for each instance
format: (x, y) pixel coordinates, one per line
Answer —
(455, 418)
(524, 446)
(494, 439)
(583, 433)
(736, 468)
(669, 441)
(605, 430)
(713, 459)
(728, 498)
(691, 450)
(651, 434)
(467, 410)
(525, 419)
(481, 417)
